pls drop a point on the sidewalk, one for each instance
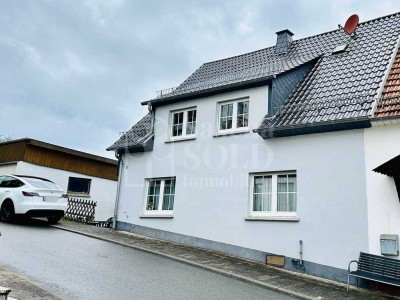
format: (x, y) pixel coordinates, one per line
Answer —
(301, 286)
(22, 288)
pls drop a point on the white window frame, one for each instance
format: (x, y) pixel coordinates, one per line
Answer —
(81, 194)
(184, 136)
(274, 201)
(234, 129)
(159, 210)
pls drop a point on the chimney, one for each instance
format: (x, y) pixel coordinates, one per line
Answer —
(283, 41)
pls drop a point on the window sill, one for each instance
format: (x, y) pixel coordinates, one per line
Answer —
(231, 132)
(273, 218)
(77, 195)
(180, 139)
(144, 216)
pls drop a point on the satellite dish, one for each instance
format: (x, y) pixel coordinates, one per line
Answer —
(351, 24)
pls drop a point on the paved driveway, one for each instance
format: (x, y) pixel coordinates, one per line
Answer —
(80, 267)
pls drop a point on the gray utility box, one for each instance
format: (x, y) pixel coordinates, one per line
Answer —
(390, 244)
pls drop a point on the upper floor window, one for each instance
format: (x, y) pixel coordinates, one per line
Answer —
(233, 115)
(183, 123)
(273, 195)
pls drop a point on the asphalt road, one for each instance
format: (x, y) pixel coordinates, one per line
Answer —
(79, 267)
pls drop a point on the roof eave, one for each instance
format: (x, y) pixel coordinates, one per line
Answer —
(146, 145)
(320, 127)
(389, 168)
(212, 91)
(61, 149)
(395, 118)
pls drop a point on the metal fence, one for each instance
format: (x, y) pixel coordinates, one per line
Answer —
(81, 210)
(104, 224)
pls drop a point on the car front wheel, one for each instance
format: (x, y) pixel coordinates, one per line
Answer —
(54, 220)
(7, 211)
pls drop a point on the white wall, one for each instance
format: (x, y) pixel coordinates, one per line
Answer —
(8, 168)
(103, 191)
(381, 144)
(331, 185)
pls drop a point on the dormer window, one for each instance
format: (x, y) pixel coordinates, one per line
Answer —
(233, 116)
(183, 124)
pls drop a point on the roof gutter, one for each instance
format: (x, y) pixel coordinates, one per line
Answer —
(120, 165)
(388, 118)
(325, 126)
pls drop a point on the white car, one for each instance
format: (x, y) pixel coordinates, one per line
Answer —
(32, 197)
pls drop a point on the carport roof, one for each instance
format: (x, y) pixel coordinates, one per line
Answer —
(390, 168)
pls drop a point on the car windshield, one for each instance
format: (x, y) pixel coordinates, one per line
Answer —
(42, 184)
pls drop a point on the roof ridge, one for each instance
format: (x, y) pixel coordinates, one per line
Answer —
(361, 23)
(294, 41)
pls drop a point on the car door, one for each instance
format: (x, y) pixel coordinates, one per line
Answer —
(8, 187)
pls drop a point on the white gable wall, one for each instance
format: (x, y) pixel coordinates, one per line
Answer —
(8, 168)
(102, 191)
(212, 193)
(381, 144)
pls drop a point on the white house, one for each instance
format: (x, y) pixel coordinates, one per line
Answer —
(271, 152)
(81, 175)
(382, 159)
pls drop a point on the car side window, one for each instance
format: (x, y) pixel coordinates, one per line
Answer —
(2, 181)
(10, 182)
(15, 183)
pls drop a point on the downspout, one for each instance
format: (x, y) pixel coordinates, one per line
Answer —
(120, 165)
(151, 110)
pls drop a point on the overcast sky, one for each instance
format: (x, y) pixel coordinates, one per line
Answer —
(73, 73)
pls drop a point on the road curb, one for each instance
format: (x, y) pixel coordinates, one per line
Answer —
(191, 263)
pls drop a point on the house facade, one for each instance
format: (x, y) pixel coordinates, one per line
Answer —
(382, 158)
(271, 153)
(81, 175)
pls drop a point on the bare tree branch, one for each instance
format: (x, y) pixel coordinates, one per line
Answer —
(5, 138)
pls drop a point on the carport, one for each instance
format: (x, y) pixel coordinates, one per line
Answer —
(391, 168)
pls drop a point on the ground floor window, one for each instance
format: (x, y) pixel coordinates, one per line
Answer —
(160, 194)
(273, 194)
(78, 185)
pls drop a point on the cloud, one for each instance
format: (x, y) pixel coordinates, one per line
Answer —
(245, 26)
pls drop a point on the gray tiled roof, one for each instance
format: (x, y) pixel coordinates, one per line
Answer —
(344, 85)
(134, 136)
(357, 72)
(260, 64)
(240, 69)
(339, 86)
(252, 66)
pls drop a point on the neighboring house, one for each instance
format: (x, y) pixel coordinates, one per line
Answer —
(382, 159)
(272, 152)
(81, 175)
